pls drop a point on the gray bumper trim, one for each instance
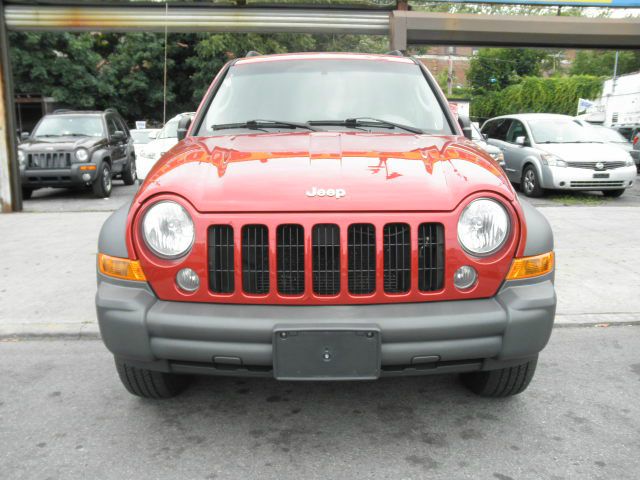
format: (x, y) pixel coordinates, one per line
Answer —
(516, 323)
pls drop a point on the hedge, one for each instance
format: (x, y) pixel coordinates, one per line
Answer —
(536, 94)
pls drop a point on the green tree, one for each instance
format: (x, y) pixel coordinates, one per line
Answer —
(601, 63)
(497, 68)
(60, 65)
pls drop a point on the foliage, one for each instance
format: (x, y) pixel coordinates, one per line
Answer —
(496, 68)
(535, 94)
(601, 63)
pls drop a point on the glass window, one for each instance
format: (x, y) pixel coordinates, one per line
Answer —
(517, 130)
(70, 125)
(559, 130)
(326, 89)
(112, 127)
(497, 129)
(608, 135)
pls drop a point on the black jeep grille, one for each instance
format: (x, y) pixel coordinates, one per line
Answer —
(326, 259)
(255, 259)
(49, 160)
(290, 259)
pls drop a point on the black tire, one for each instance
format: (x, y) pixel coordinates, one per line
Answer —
(149, 384)
(501, 383)
(129, 173)
(26, 193)
(103, 184)
(613, 193)
(530, 182)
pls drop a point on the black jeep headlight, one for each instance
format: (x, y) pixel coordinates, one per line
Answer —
(82, 154)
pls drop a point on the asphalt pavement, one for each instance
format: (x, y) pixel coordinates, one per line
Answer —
(64, 415)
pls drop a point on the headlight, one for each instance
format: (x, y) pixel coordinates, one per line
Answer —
(497, 156)
(483, 227)
(168, 230)
(82, 154)
(629, 162)
(552, 160)
(22, 158)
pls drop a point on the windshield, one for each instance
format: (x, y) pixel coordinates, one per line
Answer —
(140, 136)
(609, 135)
(326, 90)
(170, 130)
(559, 130)
(475, 133)
(70, 125)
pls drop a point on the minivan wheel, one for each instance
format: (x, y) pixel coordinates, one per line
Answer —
(504, 382)
(148, 383)
(613, 193)
(530, 182)
(102, 184)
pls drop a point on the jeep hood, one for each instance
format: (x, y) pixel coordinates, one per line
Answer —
(279, 172)
(59, 143)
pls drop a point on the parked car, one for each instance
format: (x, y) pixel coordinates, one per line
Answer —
(162, 142)
(142, 136)
(547, 151)
(325, 219)
(493, 151)
(70, 148)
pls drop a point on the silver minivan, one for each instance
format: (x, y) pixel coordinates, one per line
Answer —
(548, 151)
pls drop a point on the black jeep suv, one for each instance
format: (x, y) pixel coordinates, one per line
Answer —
(75, 149)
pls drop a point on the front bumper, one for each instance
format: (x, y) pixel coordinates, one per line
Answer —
(416, 338)
(568, 178)
(57, 177)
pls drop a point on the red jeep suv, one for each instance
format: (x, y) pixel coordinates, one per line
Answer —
(325, 218)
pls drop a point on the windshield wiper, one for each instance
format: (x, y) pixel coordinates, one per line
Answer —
(366, 122)
(262, 124)
(76, 135)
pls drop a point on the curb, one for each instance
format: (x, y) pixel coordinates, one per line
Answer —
(90, 331)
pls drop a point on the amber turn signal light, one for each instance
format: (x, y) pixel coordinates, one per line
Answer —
(528, 267)
(121, 268)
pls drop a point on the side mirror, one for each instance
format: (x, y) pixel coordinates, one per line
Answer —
(485, 136)
(465, 125)
(183, 127)
(24, 135)
(118, 136)
(521, 140)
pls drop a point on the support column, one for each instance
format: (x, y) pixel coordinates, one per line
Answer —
(10, 190)
(398, 30)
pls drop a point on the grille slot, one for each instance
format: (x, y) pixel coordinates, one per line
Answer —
(362, 258)
(290, 241)
(597, 183)
(255, 259)
(49, 160)
(221, 253)
(430, 257)
(397, 258)
(326, 259)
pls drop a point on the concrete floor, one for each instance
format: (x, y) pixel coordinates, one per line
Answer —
(64, 415)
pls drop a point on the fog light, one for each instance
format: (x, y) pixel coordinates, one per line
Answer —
(188, 280)
(86, 177)
(465, 277)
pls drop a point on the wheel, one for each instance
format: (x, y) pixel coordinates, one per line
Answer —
(102, 184)
(129, 174)
(530, 182)
(501, 383)
(149, 384)
(26, 193)
(613, 193)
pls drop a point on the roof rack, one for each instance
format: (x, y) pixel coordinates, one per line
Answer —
(397, 53)
(62, 110)
(110, 110)
(253, 53)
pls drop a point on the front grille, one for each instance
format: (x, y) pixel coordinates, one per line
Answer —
(49, 160)
(597, 183)
(221, 271)
(430, 250)
(326, 251)
(362, 258)
(397, 258)
(290, 259)
(326, 259)
(592, 165)
(255, 259)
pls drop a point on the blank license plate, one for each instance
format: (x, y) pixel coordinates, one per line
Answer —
(309, 354)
